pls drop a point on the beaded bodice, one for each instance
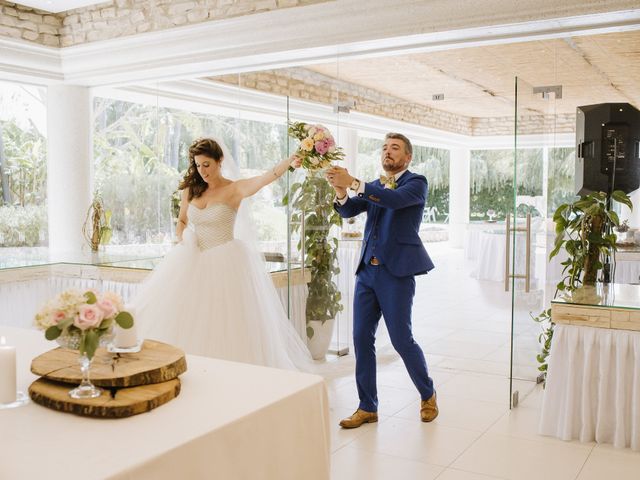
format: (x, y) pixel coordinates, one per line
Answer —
(213, 224)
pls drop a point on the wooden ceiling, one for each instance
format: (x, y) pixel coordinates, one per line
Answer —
(479, 81)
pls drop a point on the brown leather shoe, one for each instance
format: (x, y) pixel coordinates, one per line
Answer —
(429, 409)
(358, 418)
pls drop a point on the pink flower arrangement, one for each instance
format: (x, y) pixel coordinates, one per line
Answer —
(87, 316)
(317, 147)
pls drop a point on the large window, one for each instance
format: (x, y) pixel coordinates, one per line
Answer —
(433, 163)
(561, 185)
(141, 154)
(23, 167)
(492, 181)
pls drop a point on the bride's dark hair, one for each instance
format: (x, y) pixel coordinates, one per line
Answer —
(192, 179)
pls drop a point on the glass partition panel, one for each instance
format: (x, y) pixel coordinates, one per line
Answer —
(535, 113)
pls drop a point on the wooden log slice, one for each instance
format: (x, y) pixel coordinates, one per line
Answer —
(157, 362)
(113, 403)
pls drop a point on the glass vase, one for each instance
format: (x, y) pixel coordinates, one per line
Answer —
(86, 389)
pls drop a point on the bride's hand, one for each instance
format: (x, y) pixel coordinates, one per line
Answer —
(295, 161)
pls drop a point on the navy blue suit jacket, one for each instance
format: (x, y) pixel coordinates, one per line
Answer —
(398, 214)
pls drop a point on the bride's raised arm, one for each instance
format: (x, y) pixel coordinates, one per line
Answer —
(249, 186)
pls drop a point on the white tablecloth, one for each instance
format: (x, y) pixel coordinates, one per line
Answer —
(230, 421)
(490, 261)
(593, 386)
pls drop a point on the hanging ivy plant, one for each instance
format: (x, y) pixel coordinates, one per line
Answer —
(313, 198)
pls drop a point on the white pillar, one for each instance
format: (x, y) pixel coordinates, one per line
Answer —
(348, 140)
(68, 165)
(459, 193)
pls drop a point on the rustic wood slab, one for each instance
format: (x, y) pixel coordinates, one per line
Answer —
(113, 403)
(157, 362)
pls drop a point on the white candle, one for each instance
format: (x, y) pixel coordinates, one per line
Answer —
(8, 384)
(126, 337)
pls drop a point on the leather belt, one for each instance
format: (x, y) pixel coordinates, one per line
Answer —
(374, 261)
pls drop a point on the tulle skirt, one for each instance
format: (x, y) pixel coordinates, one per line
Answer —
(219, 303)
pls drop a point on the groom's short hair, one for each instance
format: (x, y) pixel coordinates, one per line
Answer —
(398, 136)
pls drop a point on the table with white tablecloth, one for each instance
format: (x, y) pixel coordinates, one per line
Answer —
(593, 386)
(231, 420)
(593, 382)
(491, 256)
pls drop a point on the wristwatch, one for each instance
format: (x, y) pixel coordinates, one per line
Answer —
(355, 185)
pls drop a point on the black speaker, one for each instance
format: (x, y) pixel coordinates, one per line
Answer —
(607, 148)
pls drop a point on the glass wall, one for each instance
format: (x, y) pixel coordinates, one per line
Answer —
(561, 185)
(23, 168)
(431, 162)
(141, 154)
(491, 193)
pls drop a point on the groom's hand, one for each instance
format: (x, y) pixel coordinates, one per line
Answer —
(339, 177)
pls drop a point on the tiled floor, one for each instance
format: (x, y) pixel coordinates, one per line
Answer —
(463, 326)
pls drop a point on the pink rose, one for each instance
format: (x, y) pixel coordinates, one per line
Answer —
(57, 316)
(321, 147)
(88, 316)
(107, 306)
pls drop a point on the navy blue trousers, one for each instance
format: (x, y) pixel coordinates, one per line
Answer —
(377, 293)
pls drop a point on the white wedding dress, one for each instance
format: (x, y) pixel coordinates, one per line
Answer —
(211, 295)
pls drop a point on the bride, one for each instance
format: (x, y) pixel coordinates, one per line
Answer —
(211, 295)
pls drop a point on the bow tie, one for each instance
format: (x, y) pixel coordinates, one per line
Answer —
(388, 182)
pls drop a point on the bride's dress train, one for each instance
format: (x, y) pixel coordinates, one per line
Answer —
(212, 296)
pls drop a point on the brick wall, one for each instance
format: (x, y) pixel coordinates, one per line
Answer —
(30, 24)
(307, 85)
(119, 18)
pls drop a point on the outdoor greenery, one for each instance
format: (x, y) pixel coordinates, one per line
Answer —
(561, 183)
(492, 176)
(23, 166)
(433, 163)
(141, 153)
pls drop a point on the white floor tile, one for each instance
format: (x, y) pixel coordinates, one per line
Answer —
(520, 459)
(415, 440)
(607, 462)
(489, 388)
(460, 412)
(455, 348)
(356, 464)
(453, 474)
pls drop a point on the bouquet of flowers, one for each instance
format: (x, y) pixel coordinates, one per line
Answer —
(317, 147)
(82, 318)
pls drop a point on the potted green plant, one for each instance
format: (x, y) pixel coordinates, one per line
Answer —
(584, 230)
(312, 199)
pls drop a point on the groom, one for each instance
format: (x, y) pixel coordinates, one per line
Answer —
(392, 254)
